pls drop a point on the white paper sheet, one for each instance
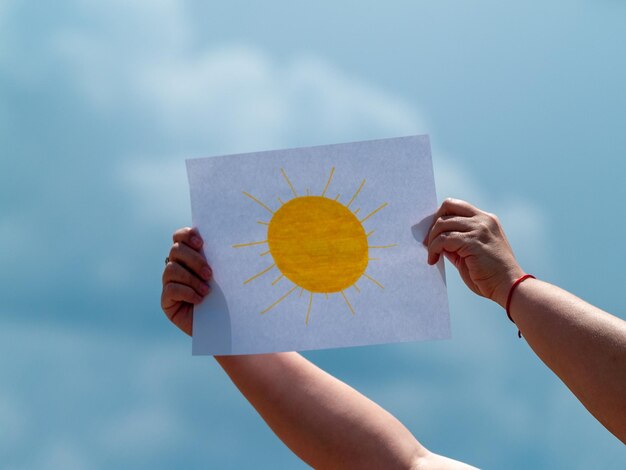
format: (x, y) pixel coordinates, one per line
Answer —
(318, 247)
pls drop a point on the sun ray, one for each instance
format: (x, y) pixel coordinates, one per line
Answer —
(265, 253)
(356, 287)
(280, 200)
(308, 311)
(373, 259)
(241, 245)
(308, 193)
(356, 194)
(279, 300)
(332, 170)
(259, 274)
(262, 223)
(258, 202)
(374, 212)
(326, 294)
(348, 302)
(373, 280)
(295, 194)
(357, 211)
(383, 246)
(301, 291)
(337, 196)
(278, 279)
(369, 233)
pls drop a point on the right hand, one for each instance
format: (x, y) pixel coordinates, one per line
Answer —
(185, 278)
(475, 243)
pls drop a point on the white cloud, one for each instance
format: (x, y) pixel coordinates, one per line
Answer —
(143, 431)
(243, 100)
(60, 453)
(525, 224)
(92, 399)
(159, 190)
(77, 378)
(14, 236)
(5, 11)
(237, 98)
(113, 272)
(14, 417)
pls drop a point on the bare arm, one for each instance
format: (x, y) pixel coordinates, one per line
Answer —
(321, 419)
(325, 422)
(583, 345)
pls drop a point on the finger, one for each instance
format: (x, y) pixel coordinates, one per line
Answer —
(175, 272)
(458, 207)
(453, 207)
(449, 223)
(174, 293)
(181, 314)
(189, 236)
(446, 241)
(183, 319)
(191, 259)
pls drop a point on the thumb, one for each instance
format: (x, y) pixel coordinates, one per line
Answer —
(460, 265)
(454, 258)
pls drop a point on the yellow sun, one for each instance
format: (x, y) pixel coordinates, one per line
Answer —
(317, 243)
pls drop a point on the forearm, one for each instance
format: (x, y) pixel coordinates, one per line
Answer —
(583, 345)
(321, 419)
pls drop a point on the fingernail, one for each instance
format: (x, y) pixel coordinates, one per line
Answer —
(206, 273)
(204, 289)
(196, 241)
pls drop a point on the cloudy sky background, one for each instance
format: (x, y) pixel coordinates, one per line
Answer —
(101, 102)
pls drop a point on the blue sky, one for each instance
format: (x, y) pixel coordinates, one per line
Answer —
(100, 103)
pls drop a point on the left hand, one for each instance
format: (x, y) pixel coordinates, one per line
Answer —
(474, 241)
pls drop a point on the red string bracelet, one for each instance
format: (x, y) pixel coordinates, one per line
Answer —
(508, 299)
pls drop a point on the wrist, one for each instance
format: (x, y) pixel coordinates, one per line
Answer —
(501, 292)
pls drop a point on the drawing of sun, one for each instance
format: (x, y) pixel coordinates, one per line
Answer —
(317, 243)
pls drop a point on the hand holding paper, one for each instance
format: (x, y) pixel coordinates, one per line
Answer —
(475, 243)
(185, 278)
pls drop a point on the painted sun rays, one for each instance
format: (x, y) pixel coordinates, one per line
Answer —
(317, 243)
